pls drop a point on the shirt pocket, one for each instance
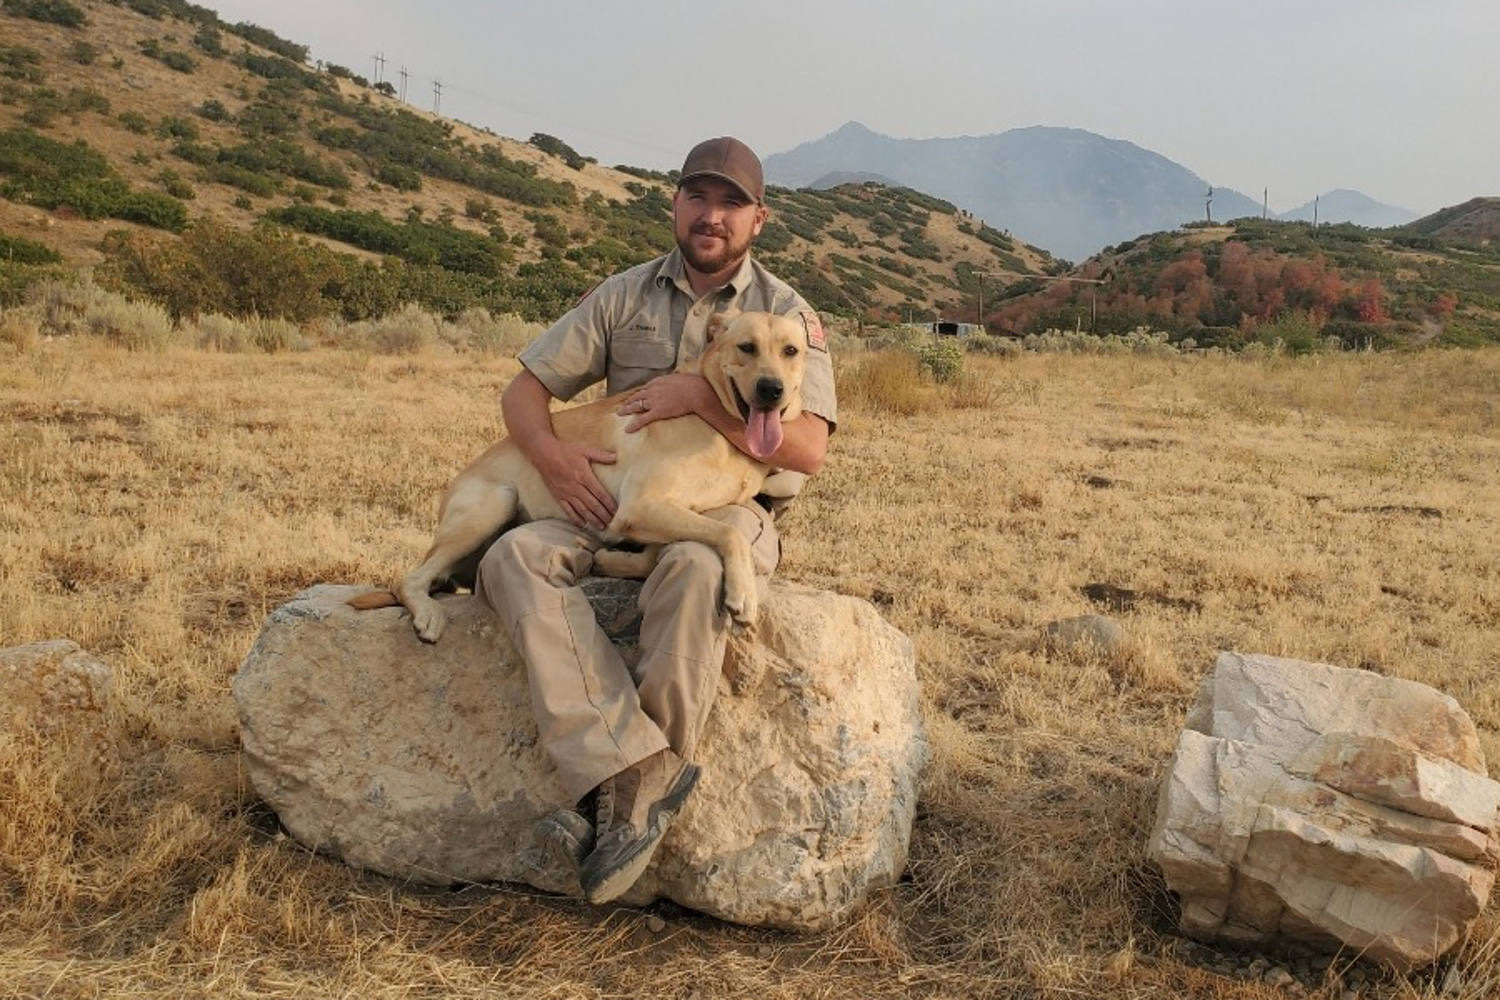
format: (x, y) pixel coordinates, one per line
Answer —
(630, 349)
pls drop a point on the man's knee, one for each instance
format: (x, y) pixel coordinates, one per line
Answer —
(691, 562)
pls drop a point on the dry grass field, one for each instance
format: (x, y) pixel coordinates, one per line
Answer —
(155, 506)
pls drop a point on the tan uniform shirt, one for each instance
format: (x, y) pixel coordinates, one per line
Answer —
(640, 323)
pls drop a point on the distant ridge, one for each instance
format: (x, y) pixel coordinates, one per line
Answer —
(1350, 206)
(837, 177)
(1064, 189)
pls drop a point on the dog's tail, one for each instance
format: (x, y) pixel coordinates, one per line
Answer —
(373, 599)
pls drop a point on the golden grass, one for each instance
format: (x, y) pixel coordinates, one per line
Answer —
(156, 506)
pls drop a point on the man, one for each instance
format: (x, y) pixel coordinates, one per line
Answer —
(630, 737)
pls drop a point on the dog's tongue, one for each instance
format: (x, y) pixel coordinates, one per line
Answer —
(763, 432)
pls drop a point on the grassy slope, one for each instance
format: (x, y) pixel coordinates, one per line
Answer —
(144, 86)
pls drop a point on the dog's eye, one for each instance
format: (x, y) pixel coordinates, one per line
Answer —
(789, 351)
(748, 349)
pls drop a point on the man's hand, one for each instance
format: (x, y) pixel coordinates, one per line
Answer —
(565, 468)
(665, 397)
(563, 465)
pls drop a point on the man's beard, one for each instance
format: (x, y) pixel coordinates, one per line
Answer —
(713, 263)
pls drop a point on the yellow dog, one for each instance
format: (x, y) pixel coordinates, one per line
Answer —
(664, 475)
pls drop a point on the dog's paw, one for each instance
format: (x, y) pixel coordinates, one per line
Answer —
(742, 605)
(428, 620)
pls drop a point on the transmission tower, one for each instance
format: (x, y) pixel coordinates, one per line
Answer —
(403, 75)
(437, 95)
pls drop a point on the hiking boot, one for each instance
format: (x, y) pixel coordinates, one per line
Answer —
(635, 808)
(566, 838)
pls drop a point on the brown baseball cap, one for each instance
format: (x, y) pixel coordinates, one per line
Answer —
(728, 159)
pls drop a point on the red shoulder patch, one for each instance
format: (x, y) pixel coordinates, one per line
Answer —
(814, 326)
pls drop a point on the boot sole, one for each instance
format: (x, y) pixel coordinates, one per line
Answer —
(615, 881)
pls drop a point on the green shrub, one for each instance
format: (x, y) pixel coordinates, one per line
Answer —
(160, 211)
(1295, 332)
(213, 268)
(195, 153)
(263, 118)
(22, 63)
(399, 177)
(276, 68)
(171, 58)
(49, 174)
(51, 11)
(172, 127)
(553, 146)
(280, 156)
(942, 359)
(269, 40)
(174, 185)
(209, 41)
(83, 53)
(213, 110)
(19, 250)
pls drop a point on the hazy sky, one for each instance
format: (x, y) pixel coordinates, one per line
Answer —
(1395, 98)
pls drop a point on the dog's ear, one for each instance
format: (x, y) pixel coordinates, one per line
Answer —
(718, 323)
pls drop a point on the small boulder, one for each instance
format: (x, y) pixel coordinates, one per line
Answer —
(1330, 807)
(421, 761)
(1085, 635)
(52, 685)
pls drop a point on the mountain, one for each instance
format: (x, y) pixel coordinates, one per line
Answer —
(1350, 206)
(183, 156)
(1064, 189)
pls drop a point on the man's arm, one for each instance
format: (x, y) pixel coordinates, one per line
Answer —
(564, 465)
(804, 442)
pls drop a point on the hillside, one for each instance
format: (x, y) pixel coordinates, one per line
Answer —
(123, 125)
(1065, 189)
(1476, 221)
(1254, 279)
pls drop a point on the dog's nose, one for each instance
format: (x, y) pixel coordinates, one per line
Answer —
(768, 391)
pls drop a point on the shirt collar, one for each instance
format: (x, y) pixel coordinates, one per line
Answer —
(674, 271)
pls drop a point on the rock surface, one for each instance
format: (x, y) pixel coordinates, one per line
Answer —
(1087, 635)
(421, 761)
(53, 684)
(1330, 807)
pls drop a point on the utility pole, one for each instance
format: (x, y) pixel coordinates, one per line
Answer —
(1093, 293)
(437, 95)
(980, 276)
(1315, 210)
(403, 84)
(1265, 203)
(379, 66)
(1208, 206)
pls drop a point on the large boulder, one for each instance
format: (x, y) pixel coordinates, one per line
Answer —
(421, 761)
(1313, 804)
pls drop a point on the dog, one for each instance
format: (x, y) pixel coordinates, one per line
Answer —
(664, 475)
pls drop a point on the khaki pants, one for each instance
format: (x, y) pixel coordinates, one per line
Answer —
(595, 717)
